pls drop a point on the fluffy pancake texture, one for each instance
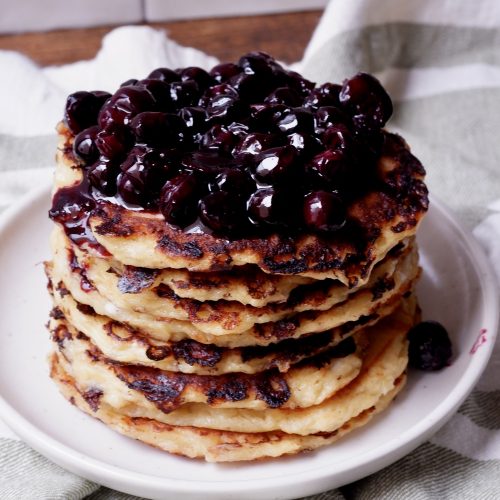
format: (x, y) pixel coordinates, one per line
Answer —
(237, 286)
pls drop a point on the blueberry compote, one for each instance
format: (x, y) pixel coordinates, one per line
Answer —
(243, 150)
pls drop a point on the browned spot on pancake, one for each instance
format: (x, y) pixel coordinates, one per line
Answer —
(157, 353)
(292, 266)
(136, 279)
(165, 389)
(93, 354)
(399, 227)
(188, 249)
(161, 389)
(198, 281)
(193, 352)
(228, 390)
(341, 350)
(82, 336)
(109, 329)
(56, 313)
(112, 225)
(288, 351)
(85, 283)
(93, 398)
(280, 329)
(348, 326)
(60, 334)
(272, 389)
(85, 309)
(381, 286)
(326, 435)
(314, 294)
(62, 290)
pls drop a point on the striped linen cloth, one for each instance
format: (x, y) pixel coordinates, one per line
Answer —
(440, 60)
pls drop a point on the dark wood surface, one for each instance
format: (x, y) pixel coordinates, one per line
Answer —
(283, 35)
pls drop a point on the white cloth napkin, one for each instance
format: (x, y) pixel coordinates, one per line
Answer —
(441, 63)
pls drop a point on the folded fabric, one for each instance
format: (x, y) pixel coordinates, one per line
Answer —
(441, 63)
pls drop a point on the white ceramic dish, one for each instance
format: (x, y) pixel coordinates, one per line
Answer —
(457, 288)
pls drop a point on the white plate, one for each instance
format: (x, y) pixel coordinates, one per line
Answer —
(457, 288)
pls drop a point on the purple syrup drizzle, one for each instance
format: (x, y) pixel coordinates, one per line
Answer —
(71, 208)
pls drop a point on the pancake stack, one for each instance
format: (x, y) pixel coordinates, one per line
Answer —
(239, 342)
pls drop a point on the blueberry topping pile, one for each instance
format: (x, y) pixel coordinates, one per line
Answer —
(241, 150)
(430, 346)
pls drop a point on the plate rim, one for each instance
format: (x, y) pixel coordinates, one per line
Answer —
(313, 479)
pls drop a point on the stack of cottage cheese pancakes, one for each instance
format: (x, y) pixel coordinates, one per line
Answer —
(231, 333)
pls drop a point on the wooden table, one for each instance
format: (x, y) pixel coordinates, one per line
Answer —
(283, 35)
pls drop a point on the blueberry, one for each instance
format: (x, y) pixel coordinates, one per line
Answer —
(114, 141)
(234, 181)
(82, 108)
(252, 144)
(184, 93)
(328, 116)
(198, 75)
(102, 175)
(256, 63)
(264, 117)
(332, 166)
(297, 120)
(84, 145)
(307, 145)
(124, 105)
(325, 95)
(223, 72)
(223, 89)
(324, 211)
(276, 165)
(130, 82)
(430, 346)
(160, 90)
(179, 199)
(272, 206)
(159, 129)
(195, 119)
(338, 137)
(223, 212)
(219, 138)
(225, 108)
(299, 83)
(368, 102)
(165, 75)
(284, 95)
(144, 172)
(252, 87)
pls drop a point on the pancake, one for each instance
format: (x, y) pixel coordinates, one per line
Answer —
(122, 344)
(361, 304)
(385, 361)
(378, 222)
(209, 444)
(234, 258)
(246, 285)
(307, 383)
(210, 316)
